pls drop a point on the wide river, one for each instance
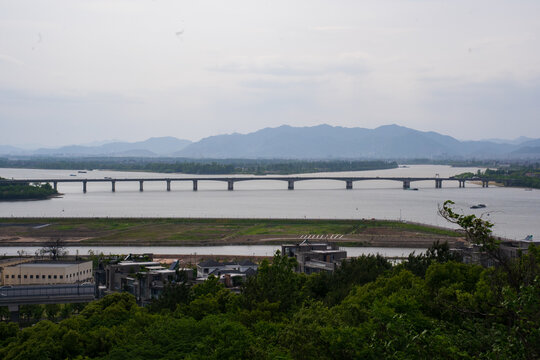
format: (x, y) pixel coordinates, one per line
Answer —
(515, 211)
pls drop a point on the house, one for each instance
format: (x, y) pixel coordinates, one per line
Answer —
(225, 270)
(314, 258)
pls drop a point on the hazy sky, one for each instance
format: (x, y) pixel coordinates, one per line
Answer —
(80, 71)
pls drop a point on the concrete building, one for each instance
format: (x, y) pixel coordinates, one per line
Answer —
(508, 249)
(4, 263)
(47, 273)
(314, 258)
(144, 279)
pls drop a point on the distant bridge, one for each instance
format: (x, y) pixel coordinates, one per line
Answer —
(348, 180)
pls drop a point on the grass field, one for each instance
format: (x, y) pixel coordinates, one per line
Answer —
(184, 231)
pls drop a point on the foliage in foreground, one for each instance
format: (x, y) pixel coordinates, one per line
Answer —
(370, 309)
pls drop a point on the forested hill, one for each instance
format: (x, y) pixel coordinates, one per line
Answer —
(25, 191)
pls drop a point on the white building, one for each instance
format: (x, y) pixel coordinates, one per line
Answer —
(45, 273)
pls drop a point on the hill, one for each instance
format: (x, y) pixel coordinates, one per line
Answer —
(327, 142)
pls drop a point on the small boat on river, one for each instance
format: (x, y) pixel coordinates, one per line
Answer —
(479, 206)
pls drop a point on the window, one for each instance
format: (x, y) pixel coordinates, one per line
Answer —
(31, 276)
(55, 276)
(61, 276)
(25, 276)
(7, 276)
(13, 276)
(49, 276)
(43, 276)
(18, 276)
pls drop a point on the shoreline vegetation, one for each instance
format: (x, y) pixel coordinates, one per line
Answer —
(510, 176)
(26, 191)
(200, 166)
(216, 232)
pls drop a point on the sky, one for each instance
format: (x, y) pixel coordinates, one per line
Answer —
(75, 72)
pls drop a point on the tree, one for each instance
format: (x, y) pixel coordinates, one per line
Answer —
(55, 248)
(274, 283)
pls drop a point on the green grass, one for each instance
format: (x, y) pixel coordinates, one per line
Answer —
(169, 230)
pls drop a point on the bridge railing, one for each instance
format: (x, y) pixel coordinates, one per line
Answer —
(7, 293)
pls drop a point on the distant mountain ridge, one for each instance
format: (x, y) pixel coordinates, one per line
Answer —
(315, 142)
(327, 142)
(157, 146)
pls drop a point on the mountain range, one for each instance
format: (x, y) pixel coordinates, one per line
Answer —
(316, 142)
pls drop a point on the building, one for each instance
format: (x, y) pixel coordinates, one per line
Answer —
(508, 249)
(47, 273)
(143, 279)
(4, 263)
(225, 271)
(314, 258)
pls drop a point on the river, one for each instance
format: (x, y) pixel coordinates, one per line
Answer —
(248, 250)
(515, 212)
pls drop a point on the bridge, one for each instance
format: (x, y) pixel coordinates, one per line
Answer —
(15, 296)
(290, 180)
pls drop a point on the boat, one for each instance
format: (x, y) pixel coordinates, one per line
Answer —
(72, 175)
(81, 172)
(479, 206)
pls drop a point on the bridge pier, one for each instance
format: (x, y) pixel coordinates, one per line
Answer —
(195, 185)
(13, 313)
(406, 184)
(485, 183)
(348, 185)
(55, 185)
(168, 185)
(84, 186)
(113, 186)
(230, 186)
(461, 183)
(291, 185)
(438, 184)
(141, 185)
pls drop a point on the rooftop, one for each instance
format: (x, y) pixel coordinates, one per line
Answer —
(140, 263)
(50, 264)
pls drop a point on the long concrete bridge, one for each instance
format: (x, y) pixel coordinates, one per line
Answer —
(290, 180)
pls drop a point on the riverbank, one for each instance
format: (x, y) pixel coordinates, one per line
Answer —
(212, 232)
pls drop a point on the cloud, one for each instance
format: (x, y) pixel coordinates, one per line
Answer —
(347, 63)
(10, 60)
(10, 95)
(482, 108)
(332, 28)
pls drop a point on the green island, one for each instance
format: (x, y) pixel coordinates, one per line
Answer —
(430, 306)
(203, 231)
(527, 176)
(26, 191)
(198, 166)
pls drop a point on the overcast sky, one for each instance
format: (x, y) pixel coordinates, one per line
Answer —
(81, 71)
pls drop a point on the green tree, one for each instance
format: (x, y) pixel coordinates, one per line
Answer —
(275, 283)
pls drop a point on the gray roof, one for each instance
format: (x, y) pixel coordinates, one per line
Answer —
(208, 263)
(247, 262)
